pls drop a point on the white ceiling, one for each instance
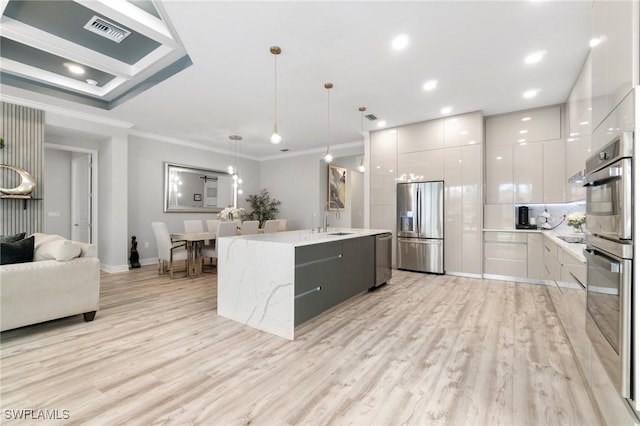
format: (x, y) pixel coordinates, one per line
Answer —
(474, 49)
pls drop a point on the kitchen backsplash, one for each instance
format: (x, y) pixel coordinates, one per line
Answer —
(505, 216)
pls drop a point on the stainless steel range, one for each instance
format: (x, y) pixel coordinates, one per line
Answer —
(609, 253)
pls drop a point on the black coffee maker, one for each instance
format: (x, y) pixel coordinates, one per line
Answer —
(523, 219)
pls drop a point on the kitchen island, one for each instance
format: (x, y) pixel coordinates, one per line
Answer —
(274, 282)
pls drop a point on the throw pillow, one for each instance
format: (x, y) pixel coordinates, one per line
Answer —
(60, 250)
(18, 252)
(12, 238)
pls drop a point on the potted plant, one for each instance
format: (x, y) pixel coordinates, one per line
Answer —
(576, 220)
(263, 207)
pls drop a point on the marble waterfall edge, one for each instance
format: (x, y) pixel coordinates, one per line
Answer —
(256, 284)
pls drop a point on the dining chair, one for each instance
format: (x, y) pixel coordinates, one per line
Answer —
(283, 224)
(212, 225)
(271, 226)
(249, 227)
(168, 252)
(225, 229)
(193, 226)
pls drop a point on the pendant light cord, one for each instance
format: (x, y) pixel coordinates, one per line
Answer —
(328, 120)
(275, 89)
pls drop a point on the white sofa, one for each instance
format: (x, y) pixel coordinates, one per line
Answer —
(47, 288)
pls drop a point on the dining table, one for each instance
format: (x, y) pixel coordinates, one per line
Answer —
(194, 242)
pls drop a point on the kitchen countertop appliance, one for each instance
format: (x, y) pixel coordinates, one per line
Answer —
(421, 226)
(523, 219)
(611, 319)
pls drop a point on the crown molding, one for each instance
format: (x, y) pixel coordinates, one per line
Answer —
(320, 150)
(65, 112)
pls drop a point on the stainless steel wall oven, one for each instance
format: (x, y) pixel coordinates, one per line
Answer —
(609, 255)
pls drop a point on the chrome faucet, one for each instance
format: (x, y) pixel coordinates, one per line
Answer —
(325, 212)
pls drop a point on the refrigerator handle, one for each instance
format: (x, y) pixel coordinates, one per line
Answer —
(418, 211)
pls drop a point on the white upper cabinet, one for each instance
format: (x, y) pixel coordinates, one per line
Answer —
(615, 60)
(383, 167)
(463, 130)
(578, 141)
(524, 126)
(554, 175)
(527, 172)
(384, 143)
(499, 174)
(421, 136)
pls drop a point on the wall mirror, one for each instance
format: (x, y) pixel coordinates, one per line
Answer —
(197, 190)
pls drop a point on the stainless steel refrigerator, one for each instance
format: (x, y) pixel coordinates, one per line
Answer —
(421, 226)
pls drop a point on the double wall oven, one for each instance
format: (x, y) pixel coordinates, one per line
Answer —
(609, 253)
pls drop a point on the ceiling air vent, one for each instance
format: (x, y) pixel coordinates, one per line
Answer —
(371, 117)
(106, 29)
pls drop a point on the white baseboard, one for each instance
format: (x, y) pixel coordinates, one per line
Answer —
(114, 269)
(515, 279)
(464, 274)
(149, 261)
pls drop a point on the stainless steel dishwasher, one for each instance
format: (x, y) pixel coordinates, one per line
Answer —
(383, 260)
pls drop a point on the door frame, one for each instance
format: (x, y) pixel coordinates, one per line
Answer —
(94, 183)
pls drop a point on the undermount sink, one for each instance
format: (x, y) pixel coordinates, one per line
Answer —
(341, 233)
(579, 239)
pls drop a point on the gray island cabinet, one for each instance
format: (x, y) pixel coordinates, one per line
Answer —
(274, 282)
(330, 273)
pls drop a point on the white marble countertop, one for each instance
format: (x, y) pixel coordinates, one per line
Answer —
(305, 237)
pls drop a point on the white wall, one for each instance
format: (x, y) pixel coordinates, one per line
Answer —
(111, 143)
(146, 187)
(57, 192)
(300, 183)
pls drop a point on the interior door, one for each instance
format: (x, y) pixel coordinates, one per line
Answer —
(81, 198)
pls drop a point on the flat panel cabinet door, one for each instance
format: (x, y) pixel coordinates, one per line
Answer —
(421, 136)
(554, 176)
(499, 170)
(527, 173)
(309, 279)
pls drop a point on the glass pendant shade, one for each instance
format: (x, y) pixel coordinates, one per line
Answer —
(275, 138)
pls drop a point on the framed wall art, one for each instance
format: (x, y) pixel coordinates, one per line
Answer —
(337, 187)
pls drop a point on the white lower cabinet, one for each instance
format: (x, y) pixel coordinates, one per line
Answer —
(569, 297)
(513, 255)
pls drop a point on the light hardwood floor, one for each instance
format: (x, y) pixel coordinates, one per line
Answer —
(424, 350)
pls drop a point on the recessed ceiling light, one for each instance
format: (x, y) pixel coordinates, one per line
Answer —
(92, 82)
(595, 41)
(400, 42)
(525, 119)
(382, 123)
(535, 57)
(75, 69)
(377, 167)
(530, 93)
(522, 132)
(446, 110)
(430, 85)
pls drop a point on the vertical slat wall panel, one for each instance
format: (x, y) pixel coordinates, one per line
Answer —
(23, 131)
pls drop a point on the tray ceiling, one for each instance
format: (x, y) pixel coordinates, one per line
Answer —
(132, 47)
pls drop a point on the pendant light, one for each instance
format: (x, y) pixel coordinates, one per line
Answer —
(233, 170)
(328, 157)
(275, 137)
(362, 109)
